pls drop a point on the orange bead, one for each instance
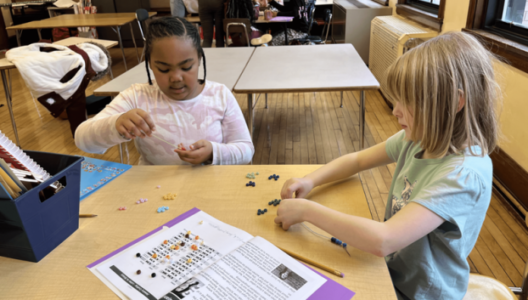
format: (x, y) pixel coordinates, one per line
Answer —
(165, 242)
(196, 237)
(194, 247)
(154, 255)
(167, 257)
(177, 247)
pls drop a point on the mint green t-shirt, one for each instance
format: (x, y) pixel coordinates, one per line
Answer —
(458, 189)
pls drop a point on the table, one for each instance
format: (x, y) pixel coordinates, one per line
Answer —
(217, 190)
(301, 69)
(262, 20)
(7, 65)
(224, 65)
(114, 20)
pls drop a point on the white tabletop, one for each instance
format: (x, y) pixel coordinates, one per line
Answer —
(224, 65)
(6, 64)
(281, 69)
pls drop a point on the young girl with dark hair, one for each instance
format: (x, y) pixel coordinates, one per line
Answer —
(177, 108)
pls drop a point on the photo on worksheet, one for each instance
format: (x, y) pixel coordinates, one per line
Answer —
(288, 276)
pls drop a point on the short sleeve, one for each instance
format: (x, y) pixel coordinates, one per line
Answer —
(454, 197)
(394, 145)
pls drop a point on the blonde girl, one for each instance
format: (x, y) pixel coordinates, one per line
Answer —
(444, 95)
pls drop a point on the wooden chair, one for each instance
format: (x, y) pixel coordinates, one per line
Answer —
(487, 288)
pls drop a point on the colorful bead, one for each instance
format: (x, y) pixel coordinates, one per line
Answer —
(167, 257)
(189, 260)
(154, 255)
(138, 272)
(194, 247)
(172, 247)
(153, 275)
(165, 242)
(196, 237)
(159, 187)
(138, 254)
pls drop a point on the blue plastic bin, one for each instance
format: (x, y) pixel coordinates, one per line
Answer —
(30, 227)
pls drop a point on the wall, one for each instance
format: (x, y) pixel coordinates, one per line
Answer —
(514, 124)
(159, 3)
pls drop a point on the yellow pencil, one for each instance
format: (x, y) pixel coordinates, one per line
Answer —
(313, 263)
(87, 216)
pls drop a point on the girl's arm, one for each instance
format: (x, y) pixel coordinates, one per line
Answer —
(340, 168)
(99, 133)
(237, 147)
(411, 223)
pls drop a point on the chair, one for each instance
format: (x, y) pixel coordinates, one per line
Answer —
(141, 16)
(483, 287)
(241, 33)
(314, 39)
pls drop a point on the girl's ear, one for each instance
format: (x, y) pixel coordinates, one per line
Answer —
(461, 100)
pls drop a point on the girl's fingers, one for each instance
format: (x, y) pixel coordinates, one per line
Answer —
(124, 132)
(148, 120)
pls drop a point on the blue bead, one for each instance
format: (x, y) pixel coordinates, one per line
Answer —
(344, 245)
(339, 242)
(265, 210)
(333, 239)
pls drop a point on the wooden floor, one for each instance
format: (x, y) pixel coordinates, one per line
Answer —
(304, 128)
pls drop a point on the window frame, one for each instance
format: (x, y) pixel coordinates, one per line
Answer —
(416, 13)
(482, 21)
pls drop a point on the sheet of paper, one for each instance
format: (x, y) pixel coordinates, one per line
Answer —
(218, 239)
(256, 270)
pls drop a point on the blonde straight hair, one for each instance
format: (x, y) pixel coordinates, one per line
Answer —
(429, 80)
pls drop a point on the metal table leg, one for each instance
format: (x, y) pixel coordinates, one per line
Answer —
(39, 34)
(362, 120)
(266, 95)
(121, 152)
(7, 88)
(341, 100)
(250, 114)
(134, 40)
(18, 37)
(118, 31)
(285, 34)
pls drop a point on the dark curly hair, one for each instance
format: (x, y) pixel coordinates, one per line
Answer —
(168, 27)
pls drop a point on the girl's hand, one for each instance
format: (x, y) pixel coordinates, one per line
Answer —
(300, 186)
(291, 212)
(135, 123)
(198, 153)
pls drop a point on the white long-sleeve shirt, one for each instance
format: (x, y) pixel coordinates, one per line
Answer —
(214, 115)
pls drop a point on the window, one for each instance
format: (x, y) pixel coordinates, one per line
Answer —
(510, 20)
(503, 24)
(430, 6)
(426, 12)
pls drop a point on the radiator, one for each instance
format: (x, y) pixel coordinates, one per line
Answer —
(390, 37)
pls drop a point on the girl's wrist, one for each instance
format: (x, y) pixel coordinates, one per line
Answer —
(307, 211)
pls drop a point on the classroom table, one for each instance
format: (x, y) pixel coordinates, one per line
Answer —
(6, 65)
(217, 190)
(113, 20)
(224, 65)
(300, 69)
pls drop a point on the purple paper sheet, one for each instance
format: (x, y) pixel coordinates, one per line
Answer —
(282, 19)
(172, 222)
(329, 290)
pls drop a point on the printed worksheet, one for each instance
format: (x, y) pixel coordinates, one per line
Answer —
(169, 258)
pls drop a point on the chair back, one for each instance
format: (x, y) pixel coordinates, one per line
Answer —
(141, 16)
(240, 31)
(310, 8)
